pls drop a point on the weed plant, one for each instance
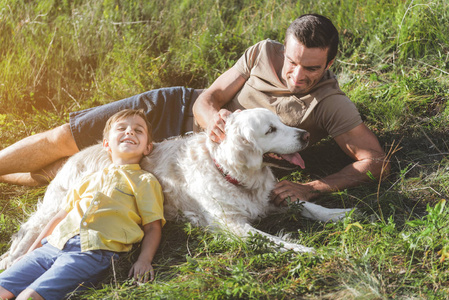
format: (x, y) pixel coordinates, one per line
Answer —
(58, 56)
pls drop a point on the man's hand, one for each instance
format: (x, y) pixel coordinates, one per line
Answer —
(142, 271)
(216, 128)
(207, 109)
(285, 191)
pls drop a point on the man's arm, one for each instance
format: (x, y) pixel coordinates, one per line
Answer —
(142, 270)
(361, 145)
(208, 110)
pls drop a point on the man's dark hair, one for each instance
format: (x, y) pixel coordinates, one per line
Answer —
(315, 31)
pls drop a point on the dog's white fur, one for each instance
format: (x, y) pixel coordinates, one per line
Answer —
(193, 186)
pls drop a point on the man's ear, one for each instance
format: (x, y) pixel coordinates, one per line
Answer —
(330, 64)
(148, 149)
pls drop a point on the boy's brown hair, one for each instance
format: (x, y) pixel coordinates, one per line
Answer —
(125, 114)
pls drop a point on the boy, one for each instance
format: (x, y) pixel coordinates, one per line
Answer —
(108, 212)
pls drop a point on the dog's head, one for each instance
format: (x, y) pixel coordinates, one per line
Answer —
(257, 137)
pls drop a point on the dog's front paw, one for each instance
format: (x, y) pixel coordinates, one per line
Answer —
(286, 246)
(337, 214)
(323, 214)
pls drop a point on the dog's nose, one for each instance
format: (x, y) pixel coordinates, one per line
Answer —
(305, 136)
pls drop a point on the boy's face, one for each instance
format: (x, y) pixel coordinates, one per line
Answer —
(128, 140)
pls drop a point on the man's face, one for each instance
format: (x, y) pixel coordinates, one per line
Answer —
(303, 67)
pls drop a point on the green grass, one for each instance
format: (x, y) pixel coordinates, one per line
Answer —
(58, 56)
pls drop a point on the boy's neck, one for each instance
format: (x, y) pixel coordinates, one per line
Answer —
(119, 161)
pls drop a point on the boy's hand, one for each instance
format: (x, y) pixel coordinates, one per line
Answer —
(142, 271)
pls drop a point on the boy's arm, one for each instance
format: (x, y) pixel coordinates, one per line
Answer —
(142, 270)
(70, 199)
(48, 229)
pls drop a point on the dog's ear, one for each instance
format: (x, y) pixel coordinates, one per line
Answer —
(240, 149)
(250, 154)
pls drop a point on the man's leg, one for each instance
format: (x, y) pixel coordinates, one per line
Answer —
(28, 162)
(38, 178)
(36, 154)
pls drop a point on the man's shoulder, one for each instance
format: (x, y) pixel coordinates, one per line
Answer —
(268, 50)
(327, 87)
(274, 43)
(270, 45)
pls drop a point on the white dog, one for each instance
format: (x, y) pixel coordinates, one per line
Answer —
(222, 186)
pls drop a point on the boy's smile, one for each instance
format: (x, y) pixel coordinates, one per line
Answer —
(128, 140)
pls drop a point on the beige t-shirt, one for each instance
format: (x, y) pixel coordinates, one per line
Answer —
(326, 110)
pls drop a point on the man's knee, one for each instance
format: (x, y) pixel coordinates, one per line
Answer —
(62, 138)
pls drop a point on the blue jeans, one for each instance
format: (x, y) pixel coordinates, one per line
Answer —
(53, 273)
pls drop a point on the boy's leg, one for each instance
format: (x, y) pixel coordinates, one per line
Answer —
(25, 271)
(5, 294)
(29, 294)
(73, 270)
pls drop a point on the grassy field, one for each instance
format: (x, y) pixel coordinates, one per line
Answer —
(58, 56)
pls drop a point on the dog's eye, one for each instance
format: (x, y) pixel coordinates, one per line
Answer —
(271, 130)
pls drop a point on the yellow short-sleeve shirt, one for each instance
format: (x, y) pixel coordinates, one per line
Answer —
(108, 209)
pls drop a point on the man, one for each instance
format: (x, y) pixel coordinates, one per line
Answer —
(293, 80)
